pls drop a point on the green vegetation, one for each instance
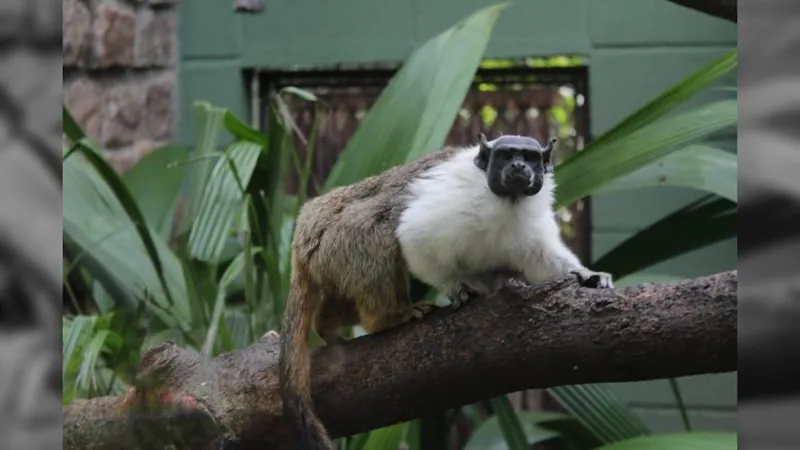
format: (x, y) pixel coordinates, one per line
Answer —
(218, 279)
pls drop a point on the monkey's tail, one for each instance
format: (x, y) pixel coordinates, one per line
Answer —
(294, 363)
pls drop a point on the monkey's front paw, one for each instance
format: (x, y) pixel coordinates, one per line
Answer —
(420, 310)
(462, 295)
(598, 280)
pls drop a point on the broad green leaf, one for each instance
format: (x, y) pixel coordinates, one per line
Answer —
(155, 183)
(387, 438)
(679, 441)
(358, 441)
(239, 325)
(234, 269)
(697, 167)
(269, 203)
(600, 164)
(415, 112)
(490, 436)
(121, 197)
(699, 224)
(107, 243)
(414, 435)
(86, 379)
(208, 129)
(509, 423)
(224, 196)
(250, 296)
(242, 131)
(671, 98)
(600, 411)
(70, 126)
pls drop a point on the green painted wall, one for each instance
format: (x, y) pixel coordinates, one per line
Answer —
(636, 49)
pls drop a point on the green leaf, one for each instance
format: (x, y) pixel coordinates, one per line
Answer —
(70, 126)
(414, 435)
(509, 423)
(107, 243)
(678, 441)
(76, 333)
(155, 182)
(490, 435)
(671, 98)
(387, 438)
(358, 441)
(86, 379)
(698, 167)
(602, 163)
(123, 198)
(242, 131)
(699, 224)
(267, 217)
(224, 196)
(302, 93)
(600, 411)
(676, 391)
(234, 269)
(208, 128)
(415, 112)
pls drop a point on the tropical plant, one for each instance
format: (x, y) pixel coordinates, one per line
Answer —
(217, 278)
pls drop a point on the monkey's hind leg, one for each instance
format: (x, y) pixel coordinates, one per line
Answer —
(386, 309)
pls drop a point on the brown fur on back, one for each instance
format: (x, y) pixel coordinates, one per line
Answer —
(347, 238)
(347, 268)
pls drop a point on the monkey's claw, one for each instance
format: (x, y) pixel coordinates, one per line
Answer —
(420, 310)
(597, 280)
(462, 295)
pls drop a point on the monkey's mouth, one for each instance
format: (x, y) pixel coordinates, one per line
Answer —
(521, 184)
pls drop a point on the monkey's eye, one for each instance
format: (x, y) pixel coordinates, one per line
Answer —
(531, 157)
(502, 154)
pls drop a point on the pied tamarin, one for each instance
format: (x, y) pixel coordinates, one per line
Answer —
(441, 219)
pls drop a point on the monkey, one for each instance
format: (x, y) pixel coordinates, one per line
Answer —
(448, 216)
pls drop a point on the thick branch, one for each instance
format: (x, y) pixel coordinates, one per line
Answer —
(523, 337)
(724, 9)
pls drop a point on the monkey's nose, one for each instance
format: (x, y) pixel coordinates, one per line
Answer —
(517, 167)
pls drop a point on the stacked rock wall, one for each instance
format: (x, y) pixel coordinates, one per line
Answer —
(120, 73)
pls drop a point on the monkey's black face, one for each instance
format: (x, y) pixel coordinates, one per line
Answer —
(515, 172)
(515, 166)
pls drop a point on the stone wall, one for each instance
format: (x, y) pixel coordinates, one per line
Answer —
(120, 73)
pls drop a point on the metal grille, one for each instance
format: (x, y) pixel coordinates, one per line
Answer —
(520, 100)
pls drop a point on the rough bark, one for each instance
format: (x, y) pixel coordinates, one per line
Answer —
(724, 9)
(522, 337)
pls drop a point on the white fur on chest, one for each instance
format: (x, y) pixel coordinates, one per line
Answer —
(454, 226)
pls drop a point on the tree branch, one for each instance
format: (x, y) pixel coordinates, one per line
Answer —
(522, 337)
(724, 9)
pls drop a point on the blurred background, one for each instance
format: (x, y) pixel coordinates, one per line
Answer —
(30, 224)
(641, 94)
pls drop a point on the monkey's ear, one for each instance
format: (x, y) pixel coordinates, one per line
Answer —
(482, 160)
(547, 154)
